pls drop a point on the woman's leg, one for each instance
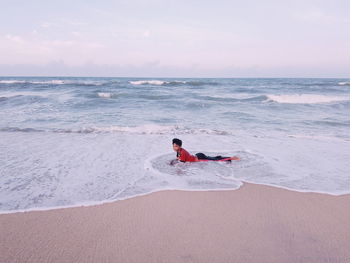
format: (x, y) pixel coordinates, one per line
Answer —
(201, 156)
(219, 157)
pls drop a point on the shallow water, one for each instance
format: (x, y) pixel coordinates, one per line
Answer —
(72, 141)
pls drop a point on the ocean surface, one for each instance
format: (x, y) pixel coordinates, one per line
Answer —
(82, 141)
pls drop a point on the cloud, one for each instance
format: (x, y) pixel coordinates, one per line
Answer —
(14, 39)
(34, 50)
(155, 69)
(73, 22)
(76, 33)
(146, 33)
(47, 25)
(122, 39)
(316, 15)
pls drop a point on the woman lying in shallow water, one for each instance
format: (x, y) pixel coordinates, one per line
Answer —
(185, 156)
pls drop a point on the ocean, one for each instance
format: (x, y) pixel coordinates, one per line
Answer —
(72, 141)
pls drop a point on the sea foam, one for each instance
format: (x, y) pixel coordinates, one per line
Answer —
(70, 144)
(305, 98)
(344, 83)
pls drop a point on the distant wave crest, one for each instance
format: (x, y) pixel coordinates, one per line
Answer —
(106, 94)
(12, 81)
(172, 82)
(344, 83)
(55, 82)
(102, 82)
(142, 129)
(305, 98)
(154, 82)
(52, 82)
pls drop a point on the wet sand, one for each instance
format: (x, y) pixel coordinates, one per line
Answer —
(255, 223)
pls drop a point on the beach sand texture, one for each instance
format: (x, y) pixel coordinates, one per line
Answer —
(255, 223)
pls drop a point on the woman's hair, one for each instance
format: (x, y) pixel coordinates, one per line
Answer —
(177, 141)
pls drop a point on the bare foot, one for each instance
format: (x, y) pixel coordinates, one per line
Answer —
(235, 158)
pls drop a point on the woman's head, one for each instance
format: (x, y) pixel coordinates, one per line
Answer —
(177, 143)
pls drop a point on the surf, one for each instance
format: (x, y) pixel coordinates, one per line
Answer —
(305, 98)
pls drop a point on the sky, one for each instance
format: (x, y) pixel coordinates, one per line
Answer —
(154, 38)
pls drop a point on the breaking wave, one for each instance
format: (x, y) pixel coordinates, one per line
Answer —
(344, 83)
(142, 129)
(172, 83)
(54, 82)
(106, 94)
(153, 82)
(305, 98)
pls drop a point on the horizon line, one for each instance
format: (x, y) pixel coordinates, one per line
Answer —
(84, 76)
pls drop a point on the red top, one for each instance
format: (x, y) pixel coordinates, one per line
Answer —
(186, 157)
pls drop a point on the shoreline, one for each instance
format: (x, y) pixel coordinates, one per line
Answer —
(97, 203)
(255, 223)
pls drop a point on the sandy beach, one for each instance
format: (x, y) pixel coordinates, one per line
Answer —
(175, 131)
(253, 224)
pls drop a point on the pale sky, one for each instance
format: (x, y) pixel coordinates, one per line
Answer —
(179, 38)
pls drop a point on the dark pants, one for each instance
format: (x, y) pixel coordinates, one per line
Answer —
(202, 156)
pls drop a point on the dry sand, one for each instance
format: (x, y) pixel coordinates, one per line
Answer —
(253, 224)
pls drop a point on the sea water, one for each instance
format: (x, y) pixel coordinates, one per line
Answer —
(80, 141)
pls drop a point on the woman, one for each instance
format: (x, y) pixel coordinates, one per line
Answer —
(184, 156)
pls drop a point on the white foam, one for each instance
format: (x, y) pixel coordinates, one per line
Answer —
(151, 129)
(94, 83)
(143, 82)
(98, 168)
(305, 98)
(317, 137)
(12, 81)
(154, 82)
(237, 96)
(140, 130)
(55, 82)
(105, 94)
(344, 83)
